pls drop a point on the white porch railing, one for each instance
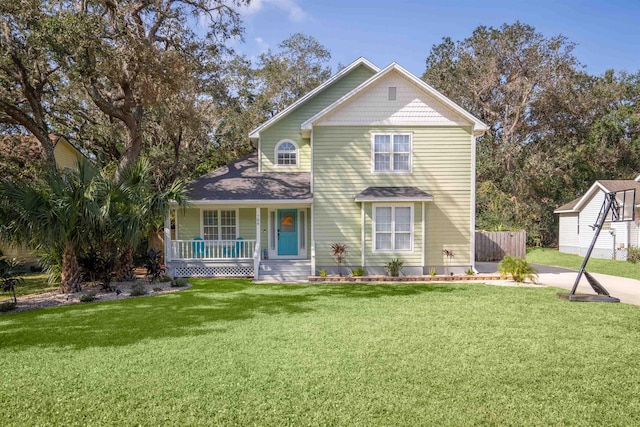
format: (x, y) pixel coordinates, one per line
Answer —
(213, 249)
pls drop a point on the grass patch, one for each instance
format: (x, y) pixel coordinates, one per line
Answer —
(34, 283)
(227, 352)
(554, 258)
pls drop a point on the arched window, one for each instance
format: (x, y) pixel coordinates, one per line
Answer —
(286, 153)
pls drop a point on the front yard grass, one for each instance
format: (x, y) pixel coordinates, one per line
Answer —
(554, 258)
(227, 352)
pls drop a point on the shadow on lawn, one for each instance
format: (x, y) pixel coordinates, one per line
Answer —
(207, 307)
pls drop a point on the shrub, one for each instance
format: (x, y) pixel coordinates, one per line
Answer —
(433, 271)
(394, 267)
(338, 251)
(180, 282)
(7, 306)
(322, 273)
(10, 276)
(138, 289)
(156, 289)
(88, 296)
(154, 266)
(358, 272)
(518, 268)
(470, 272)
(166, 279)
(633, 254)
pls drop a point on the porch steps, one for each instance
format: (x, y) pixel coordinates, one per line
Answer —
(284, 270)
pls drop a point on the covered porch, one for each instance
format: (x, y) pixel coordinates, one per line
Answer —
(213, 239)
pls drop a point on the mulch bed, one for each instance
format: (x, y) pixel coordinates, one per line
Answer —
(55, 298)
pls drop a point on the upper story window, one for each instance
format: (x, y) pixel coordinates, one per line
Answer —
(286, 153)
(391, 152)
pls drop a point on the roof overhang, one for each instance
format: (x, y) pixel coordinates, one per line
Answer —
(255, 134)
(249, 202)
(478, 127)
(393, 195)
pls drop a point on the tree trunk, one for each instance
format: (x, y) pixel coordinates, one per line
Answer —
(70, 274)
(125, 264)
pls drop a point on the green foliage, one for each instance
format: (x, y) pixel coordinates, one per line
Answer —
(633, 254)
(180, 282)
(358, 272)
(322, 272)
(88, 296)
(155, 271)
(138, 289)
(338, 252)
(433, 272)
(10, 272)
(518, 268)
(157, 289)
(553, 128)
(394, 267)
(470, 272)
(166, 278)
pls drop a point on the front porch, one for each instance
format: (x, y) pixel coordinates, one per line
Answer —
(210, 239)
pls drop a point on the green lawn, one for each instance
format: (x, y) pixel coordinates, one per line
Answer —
(596, 265)
(228, 352)
(34, 283)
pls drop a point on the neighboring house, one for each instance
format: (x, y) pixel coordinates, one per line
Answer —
(66, 155)
(577, 218)
(373, 158)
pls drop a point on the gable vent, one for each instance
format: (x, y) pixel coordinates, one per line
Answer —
(392, 93)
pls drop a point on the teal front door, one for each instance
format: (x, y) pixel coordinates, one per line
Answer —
(287, 232)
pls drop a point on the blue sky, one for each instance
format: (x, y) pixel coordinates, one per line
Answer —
(607, 32)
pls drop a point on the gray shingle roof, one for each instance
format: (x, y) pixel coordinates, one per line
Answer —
(241, 180)
(397, 193)
(611, 185)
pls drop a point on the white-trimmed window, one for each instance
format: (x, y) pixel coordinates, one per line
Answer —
(219, 224)
(392, 228)
(391, 152)
(286, 153)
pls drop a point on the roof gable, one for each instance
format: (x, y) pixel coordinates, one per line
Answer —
(254, 134)
(431, 106)
(605, 185)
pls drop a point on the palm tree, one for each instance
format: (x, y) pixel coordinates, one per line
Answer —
(58, 215)
(138, 205)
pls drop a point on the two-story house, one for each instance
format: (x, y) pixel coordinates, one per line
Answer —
(375, 159)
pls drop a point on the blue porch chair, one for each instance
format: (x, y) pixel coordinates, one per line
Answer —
(198, 247)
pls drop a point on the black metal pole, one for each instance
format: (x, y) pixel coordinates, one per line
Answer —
(607, 208)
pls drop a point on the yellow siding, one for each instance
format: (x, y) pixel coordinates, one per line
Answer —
(66, 155)
(188, 223)
(289, 126)
(247, 223)
(442, 166)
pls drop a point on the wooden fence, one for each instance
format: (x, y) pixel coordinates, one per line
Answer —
(494, 245)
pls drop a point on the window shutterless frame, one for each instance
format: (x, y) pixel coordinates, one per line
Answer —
(395, 152)
(394, 229)
(286, 153)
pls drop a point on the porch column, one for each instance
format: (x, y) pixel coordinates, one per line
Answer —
(423, 237)
(167, 236)
(362, 235)
(258, 251)
(313, 243)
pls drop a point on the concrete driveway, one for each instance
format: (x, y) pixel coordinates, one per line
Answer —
(627, 290)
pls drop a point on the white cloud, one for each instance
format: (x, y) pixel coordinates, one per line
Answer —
(262, 45)
(295, 12)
